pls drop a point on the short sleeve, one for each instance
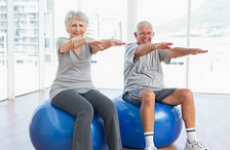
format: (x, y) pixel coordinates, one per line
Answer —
(162, 55)
(130, 52)
(59, 42)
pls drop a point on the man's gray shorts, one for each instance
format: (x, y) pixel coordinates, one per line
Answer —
(132, 96)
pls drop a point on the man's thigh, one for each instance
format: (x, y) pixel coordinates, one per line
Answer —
(163, 94)
(174, 98)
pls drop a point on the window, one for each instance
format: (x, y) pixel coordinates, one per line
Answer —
(3, 50)
(50, 53)
(26, 47)
(109, 22)
(210, 29)
(170, 25)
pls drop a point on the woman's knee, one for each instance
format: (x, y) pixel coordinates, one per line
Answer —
(110, 109)
(85, 111)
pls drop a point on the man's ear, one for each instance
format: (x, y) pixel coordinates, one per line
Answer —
(135, 34)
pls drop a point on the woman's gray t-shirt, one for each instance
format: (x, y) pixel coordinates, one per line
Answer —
(73, 70)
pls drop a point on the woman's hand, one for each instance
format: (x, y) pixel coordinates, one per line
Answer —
(94, 43)
(112, 42)
(115, 42)
(106, 44)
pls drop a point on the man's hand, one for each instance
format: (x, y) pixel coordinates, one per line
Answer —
(195, 51)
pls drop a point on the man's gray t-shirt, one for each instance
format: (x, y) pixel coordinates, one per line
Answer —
(145, 71)
(73, 70)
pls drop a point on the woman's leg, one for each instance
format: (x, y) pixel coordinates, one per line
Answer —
(75, 104)
(106, 109)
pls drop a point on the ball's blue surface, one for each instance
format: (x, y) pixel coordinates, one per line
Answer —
(52, 129)
(168, 124)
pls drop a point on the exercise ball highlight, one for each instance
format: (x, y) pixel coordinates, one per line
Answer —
(167, 128)
(52, 129)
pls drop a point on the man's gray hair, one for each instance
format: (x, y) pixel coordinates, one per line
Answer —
(143, 23)
(76, 15)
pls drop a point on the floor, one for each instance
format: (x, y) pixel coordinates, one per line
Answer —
(212, 120)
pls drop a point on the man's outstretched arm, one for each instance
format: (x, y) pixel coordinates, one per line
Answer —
(181, 51)
(145, 49)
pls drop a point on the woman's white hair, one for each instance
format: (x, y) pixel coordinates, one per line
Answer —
(143, 23)
(76, 15)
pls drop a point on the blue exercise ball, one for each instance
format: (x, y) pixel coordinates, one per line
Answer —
(52, 129)
(167, 128)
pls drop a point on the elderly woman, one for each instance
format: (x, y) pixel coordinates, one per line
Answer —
(72, 89)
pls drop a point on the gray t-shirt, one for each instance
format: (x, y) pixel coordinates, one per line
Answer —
(143, 72)
(73, 70)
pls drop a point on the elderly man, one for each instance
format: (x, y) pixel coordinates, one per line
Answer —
(143, 83)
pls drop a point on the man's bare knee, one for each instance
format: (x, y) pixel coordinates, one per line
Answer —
(147, 96)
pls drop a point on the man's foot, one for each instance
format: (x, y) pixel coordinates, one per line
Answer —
(195, 145)
(151, 148)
